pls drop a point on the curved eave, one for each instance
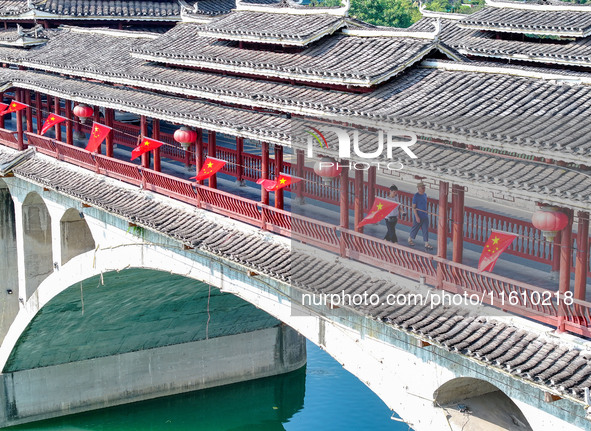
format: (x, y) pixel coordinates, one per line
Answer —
(526, 57)
(324, 78)
(525, 30)
(34, 14)
(360, 119)
(277, 40)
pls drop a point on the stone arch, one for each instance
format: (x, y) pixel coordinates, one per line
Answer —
(37, 239)
(482, 401)
(8, 261)
(75, 235)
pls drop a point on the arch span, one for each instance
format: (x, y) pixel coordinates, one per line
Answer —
(474, 404)
(8, 261)
(38, 253)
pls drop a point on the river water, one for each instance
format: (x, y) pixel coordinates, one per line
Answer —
(321, 396)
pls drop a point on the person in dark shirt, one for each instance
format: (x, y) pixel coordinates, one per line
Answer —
(392, 218)
(420, 217)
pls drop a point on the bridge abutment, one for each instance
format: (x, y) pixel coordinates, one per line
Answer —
(41, 393)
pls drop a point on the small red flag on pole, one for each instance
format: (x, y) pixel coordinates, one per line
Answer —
(13, 107)
(496, 244)
(281, 182)
(379, 210)
(98, 133)
(51, 121)
(210, 167)
(3, 107)
(146, 145)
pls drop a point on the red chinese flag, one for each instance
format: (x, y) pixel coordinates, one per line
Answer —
(98, 133)
(146, 145)
(495, 245)
(13, 107)
(3, 107)
(379, 210)
(51, 121)
(281, 182)
(210, 167)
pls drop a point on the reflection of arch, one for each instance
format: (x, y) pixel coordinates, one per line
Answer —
(483, 402)
(38, 253)
(76, 237)
(8, 261)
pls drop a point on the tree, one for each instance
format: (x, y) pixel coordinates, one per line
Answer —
(391, 13)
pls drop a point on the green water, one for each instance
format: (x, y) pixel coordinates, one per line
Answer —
(321, 396)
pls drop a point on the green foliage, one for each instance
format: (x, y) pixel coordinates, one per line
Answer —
(391, 13)
(455, 6)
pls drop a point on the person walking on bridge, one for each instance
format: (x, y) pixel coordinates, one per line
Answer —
(420, 217)
(392, 218)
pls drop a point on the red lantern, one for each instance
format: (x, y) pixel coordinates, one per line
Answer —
(83, 112)
(327, 168)
(185, 136)
(549, 220)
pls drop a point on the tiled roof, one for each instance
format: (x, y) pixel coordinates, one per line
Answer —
(573, 22)
(482, 104)
(284, 29)
(107, 8)
(502, 346)
(212, 7)
(344, 60)
(13, 7)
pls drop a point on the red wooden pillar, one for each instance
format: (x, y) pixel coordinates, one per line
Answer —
(156, 135)
(371, 186)
(556, 255)
(109, 120)
(566, 255)
(69, 131)
(77, 124)
(29, 111)
(265, 171)
(278, 169)
(582, 261)
(1, 116)
(344, 196)
(19, 121)
(457, 199)
(58, 127)
(300, 186)
(442, 220)
(144, 134)
(358, 199)
(240, 161)
(39, 111)
(199, 153)
(211, 152)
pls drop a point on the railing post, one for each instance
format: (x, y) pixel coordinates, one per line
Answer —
(1, 116)
(264, 171)
(19, 122)
(300, 186)
(109, 120)
(38, 111)
(29, 111)
(344, 205)
(240, 162)
(144, 134)
(278, 169)
(358, 206)
(58, 126)
(582, 261)
(211, 152)
(565, 267)
(199, 153)
(69, 130)
(442, 230)
(156, 135)
(457, 198)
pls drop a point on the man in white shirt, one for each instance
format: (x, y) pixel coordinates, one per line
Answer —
(392, 218)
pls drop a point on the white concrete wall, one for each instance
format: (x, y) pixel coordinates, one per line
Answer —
(47, 392)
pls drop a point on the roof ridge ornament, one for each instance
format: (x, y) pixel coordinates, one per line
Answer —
(537, 7)
(293, 8)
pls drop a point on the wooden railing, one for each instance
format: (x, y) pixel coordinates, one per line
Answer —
(521, 298)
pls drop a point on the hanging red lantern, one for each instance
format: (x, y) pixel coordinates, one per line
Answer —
(550, 221)
(327, 168)
(185, 136)
(83, 111)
